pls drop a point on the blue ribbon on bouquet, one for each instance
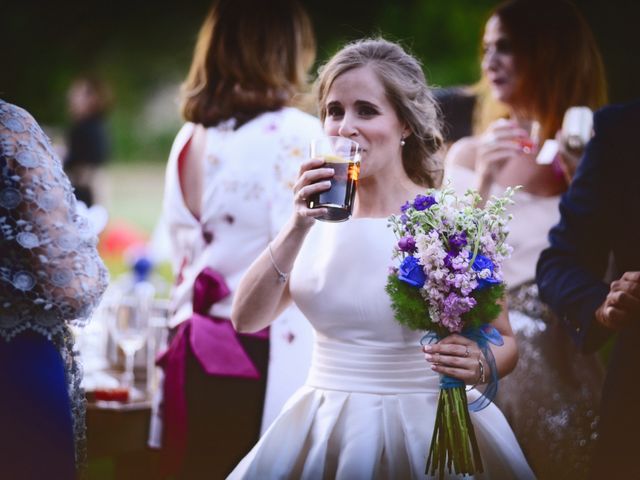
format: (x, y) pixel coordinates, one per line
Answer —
(483, 336)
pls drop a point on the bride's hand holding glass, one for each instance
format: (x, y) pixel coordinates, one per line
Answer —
(312, 179)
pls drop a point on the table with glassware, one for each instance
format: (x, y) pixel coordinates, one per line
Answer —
(118, 351)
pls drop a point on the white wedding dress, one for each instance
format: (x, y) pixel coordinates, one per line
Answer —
(368, 407)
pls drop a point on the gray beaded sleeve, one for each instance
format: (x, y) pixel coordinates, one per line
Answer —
(50, 270)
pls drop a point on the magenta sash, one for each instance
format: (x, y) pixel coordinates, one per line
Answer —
(215, 345)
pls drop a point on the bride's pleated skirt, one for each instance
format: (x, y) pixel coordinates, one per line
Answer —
(367, 412)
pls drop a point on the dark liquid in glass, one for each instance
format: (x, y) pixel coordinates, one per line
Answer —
(338, 200)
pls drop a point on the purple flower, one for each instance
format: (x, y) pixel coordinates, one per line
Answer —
(405, 207)
(458, 241)
(454, 307)
(448, 260)
(404, 218)
(423, 202)
(407, 244)
(411, 272)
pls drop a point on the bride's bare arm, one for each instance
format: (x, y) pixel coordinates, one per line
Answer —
(262, 294)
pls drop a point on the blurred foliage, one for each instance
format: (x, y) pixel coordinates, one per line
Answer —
(143, 50)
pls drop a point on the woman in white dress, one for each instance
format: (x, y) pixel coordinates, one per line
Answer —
(369, 404)
(228, 192)
(539, 59)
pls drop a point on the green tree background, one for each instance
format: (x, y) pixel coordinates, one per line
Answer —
(143, 50)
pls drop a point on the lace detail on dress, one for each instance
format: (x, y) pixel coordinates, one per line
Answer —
(64, 340)
(50, 271)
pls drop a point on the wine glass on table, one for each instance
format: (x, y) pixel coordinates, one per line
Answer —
(130, 321)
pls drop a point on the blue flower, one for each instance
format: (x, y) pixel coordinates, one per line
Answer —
(487, 282)
(411, 272)
(481, 262)
(423, 202)
(484, 263)
(405, 207)
(142, 268)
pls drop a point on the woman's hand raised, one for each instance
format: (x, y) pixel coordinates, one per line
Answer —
(502, 141)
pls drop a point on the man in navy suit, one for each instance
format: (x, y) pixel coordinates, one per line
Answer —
(600, 219)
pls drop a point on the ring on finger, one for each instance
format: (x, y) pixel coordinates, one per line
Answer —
(466, 352)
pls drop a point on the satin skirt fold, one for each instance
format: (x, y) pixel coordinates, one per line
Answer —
(367, 412)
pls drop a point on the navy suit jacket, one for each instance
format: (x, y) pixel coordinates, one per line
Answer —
(600, 216)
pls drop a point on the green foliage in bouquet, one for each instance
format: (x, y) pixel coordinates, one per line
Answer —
(411, 309)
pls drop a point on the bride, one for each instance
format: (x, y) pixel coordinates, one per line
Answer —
(368, 407)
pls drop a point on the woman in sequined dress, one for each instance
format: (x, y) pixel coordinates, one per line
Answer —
(539, 58)
(50, 276)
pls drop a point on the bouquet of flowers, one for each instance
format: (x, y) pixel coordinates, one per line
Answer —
(449, 281)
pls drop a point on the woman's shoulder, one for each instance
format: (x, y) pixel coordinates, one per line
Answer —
(463, 153)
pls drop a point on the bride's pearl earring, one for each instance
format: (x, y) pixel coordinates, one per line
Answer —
(402, 142)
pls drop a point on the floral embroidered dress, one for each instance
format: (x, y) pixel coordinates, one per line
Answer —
(248, 176)
(50, 277)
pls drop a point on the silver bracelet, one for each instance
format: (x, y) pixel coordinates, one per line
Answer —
(282, 277)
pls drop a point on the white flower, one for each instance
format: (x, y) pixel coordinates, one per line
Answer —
(484, 273)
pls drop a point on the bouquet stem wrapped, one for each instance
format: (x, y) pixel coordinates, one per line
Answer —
(449, 281)
(454, 443)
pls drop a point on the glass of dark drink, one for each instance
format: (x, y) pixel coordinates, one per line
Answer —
(343, 155)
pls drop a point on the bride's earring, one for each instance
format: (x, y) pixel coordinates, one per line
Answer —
(402, 142)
